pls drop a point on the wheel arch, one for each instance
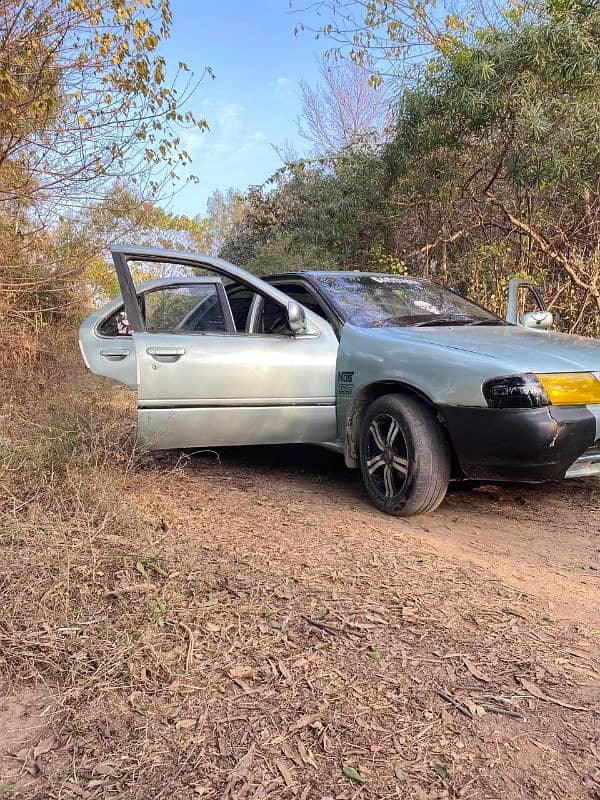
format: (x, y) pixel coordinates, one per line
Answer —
(363, 399)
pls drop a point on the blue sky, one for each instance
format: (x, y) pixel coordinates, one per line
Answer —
(254, 100)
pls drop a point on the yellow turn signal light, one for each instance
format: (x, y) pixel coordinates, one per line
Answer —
(571, 388)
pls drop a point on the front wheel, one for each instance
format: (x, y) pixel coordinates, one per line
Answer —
(404, 456)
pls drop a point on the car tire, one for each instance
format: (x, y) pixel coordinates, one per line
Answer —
(404, 456)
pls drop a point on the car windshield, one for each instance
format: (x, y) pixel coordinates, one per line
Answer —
(374, 301)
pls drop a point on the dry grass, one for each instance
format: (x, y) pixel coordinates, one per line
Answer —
(182, 631)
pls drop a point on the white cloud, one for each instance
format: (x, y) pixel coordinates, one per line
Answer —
(228, 139)
(192, 141)
(228, 114)
(281, 87)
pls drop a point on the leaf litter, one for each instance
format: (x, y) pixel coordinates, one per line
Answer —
(252, 681)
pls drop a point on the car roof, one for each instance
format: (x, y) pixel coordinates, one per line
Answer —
(321, 273)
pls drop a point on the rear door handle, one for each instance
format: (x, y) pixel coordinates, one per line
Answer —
(115, 353)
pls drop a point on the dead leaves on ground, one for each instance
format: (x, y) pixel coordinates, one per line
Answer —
(241, 668)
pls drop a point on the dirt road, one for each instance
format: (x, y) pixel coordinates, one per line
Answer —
(542, 540)
(433, 635)
(266, 633)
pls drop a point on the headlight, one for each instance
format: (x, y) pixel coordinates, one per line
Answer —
(534, 391)
(571, 388)
(515, 391)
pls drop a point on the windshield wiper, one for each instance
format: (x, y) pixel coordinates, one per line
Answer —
(444, 320)
(439, 320)
(388, 321)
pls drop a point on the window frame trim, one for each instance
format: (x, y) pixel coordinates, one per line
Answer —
(311, 286)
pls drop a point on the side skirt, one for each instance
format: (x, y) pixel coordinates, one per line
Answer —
(224, 426)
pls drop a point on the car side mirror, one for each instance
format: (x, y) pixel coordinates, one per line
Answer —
(518, 288)
(543, 320)
(296, 317)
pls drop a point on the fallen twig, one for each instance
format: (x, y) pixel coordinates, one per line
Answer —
(535, 691)
(323, 625)
(131, 589)
(190, 651)
(454, 702)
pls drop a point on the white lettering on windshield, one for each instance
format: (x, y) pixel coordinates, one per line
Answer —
(386, 279)
(426, 306)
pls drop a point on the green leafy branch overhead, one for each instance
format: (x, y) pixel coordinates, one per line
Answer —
(86, 97)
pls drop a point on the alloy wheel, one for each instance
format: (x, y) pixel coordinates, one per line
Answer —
(387, 457)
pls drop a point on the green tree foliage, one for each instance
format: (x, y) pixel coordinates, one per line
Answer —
(493, 168)
(497, 153)
(85, 99)
(314, 217)
(124, 215)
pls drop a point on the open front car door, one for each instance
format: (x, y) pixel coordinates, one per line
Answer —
(208, 369)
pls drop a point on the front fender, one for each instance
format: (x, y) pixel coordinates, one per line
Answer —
(441, 375)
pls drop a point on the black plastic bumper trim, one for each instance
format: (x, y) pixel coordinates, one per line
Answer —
(530, 444)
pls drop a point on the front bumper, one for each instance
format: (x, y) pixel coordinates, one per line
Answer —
(529, 444)
(587, 464)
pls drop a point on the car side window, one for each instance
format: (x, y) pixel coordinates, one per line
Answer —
(302, 295)
(240, 299)
(116, 325)
(272, 318)
(195, 308)
(199, 307)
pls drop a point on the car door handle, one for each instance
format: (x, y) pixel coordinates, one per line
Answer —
(115, 353)
(173, 353)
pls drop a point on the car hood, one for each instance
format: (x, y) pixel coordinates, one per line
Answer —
(521, 350)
